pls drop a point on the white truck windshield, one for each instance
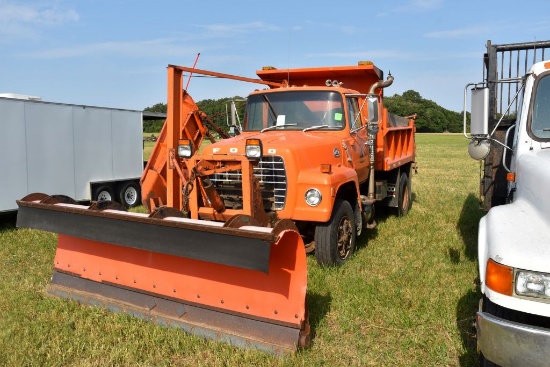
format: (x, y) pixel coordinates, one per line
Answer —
(540, 124)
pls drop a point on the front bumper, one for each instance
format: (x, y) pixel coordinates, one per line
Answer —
(509, 343)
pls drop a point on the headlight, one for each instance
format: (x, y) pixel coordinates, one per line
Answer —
(532, 284)
(313, 197)
(185, 149)
(253, 148)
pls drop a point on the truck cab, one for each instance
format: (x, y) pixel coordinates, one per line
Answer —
(513, 322)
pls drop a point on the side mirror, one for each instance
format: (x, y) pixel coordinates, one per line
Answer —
(479, 147)
(480, 112)
(372, 108)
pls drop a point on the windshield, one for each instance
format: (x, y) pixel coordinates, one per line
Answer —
(540, 123)
(295, 110)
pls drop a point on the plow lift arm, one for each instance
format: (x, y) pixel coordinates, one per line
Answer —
(236, 281)
(161, 180)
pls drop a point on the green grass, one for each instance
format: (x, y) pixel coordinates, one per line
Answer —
(407, 298)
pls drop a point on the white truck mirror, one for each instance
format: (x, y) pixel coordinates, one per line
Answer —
(480, 112)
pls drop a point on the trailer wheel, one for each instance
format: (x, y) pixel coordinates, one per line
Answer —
(335, 240)
(128, 193)
(404, 198)
(103, 192)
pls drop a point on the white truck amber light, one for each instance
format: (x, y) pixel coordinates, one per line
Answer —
(313, 197)
(532, 284)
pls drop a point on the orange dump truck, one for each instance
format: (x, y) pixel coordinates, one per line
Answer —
(223, 251)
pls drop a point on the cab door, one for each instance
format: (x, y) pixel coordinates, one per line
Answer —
(356, 143)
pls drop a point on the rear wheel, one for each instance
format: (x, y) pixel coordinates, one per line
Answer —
(128, 193)
(485, 362)
(335, 240)
(404, 195)
(103, 192)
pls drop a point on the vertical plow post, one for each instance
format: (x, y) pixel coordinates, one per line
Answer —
(173, 120)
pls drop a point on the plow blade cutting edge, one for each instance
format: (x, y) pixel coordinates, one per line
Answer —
(246, 285)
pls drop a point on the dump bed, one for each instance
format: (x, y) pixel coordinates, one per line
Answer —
(395, 144)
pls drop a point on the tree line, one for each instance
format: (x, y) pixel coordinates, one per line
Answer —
(431, 117)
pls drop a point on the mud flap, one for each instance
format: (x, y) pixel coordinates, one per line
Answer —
(246, 286)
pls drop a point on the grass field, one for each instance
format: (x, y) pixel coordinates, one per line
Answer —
(407, 298)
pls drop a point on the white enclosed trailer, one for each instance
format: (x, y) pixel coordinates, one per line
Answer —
(85, 152)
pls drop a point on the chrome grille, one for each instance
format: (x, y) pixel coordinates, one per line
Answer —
(270, 171)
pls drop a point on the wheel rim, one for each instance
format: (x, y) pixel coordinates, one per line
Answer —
(130, 195)
(345, 237)
(104, 195)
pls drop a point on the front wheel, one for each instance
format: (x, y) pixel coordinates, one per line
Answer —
(335, 240)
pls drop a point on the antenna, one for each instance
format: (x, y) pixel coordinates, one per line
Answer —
(289, 52)
(191, 73)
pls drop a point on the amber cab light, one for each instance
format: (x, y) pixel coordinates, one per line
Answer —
(499, 277)
(326, 168)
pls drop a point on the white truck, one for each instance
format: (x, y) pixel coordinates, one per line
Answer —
(510, 135)
(89, 153)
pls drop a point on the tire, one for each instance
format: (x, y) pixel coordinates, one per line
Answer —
(335, 240)
(404, 199)
(485, 362)
(129, 194)
(103, 192)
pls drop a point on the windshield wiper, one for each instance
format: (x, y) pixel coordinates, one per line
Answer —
(315, 127)
(274, 127)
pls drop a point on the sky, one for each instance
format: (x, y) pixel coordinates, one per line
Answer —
(114, 53)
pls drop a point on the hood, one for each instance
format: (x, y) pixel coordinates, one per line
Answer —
(518, 234)
(310, 148)
(533, 181)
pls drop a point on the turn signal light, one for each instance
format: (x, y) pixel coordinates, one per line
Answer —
(511, 176)
(499, 277)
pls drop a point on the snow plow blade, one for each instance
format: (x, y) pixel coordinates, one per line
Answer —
(243, 285)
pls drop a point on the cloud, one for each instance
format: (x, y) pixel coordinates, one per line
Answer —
(418, 6)
(231, 30)
(458, 33)
(165, 47)
(364, 55)
(426, 4)
(394, 55)
(19, 21)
